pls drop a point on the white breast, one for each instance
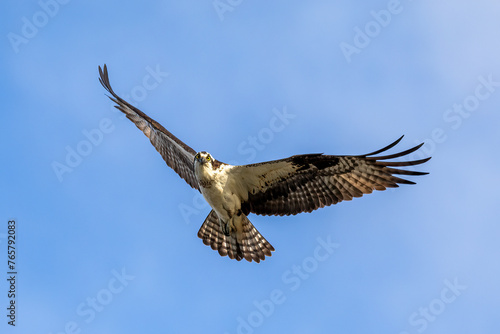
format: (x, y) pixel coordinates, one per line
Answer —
(218, 189)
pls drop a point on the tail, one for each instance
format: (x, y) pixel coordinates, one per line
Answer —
(248, 244)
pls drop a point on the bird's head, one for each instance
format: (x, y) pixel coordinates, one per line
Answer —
(203, 158)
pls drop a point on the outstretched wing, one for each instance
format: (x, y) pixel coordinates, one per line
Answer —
(303, 183)
(176, 154)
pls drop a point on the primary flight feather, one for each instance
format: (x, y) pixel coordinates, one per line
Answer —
(301, 183)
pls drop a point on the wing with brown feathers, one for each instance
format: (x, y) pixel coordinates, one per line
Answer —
(303, 183)
(176, 154)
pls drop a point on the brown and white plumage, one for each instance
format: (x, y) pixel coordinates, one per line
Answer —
(248, 244)
(176, 154)
(301, 183)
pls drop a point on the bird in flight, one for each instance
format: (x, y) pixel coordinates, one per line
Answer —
(300, 183)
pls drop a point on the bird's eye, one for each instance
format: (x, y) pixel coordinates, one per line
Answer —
(208, 158)
(197, 156)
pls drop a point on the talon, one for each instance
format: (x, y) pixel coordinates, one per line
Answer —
(226, 229)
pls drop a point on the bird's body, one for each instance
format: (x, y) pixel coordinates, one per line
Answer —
(226, 228)
(301, 183)
(218, 186)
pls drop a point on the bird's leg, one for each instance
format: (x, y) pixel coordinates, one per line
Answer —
(225, 227)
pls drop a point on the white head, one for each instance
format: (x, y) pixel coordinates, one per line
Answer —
(203, 158)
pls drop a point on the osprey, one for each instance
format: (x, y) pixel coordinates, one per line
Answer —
(301, 183)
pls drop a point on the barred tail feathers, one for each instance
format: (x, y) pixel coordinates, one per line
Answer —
(247, 244)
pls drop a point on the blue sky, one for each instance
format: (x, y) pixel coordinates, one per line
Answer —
(110, 246)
